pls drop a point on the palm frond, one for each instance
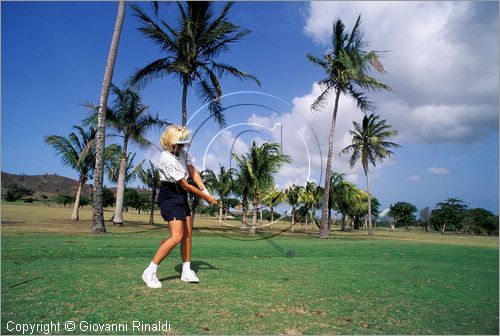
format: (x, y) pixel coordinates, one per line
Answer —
(338, 37)
(220, 40)
(64, 149)
(363, 103)
(208, 93)
(153, 70)
(224, 69)
(322, 100)
(222, 16)
(318, 61)
(152, 31)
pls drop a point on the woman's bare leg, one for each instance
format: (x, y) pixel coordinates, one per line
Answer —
(176, 236)
(186, 242)
(188, 275)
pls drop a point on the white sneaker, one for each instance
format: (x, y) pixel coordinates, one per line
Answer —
(189, 276)
(150, 279)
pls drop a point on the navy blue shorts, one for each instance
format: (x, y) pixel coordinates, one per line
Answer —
(173, 202)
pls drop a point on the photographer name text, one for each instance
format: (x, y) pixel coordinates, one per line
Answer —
(50, 327)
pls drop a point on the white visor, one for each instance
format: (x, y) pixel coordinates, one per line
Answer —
(183, 142)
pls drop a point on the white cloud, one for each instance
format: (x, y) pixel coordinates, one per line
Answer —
(439, 171)
(220, 150)
(442, 62)
(440, 123)
(415, 178)
(305, 139)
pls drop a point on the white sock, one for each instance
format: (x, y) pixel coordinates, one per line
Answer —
(152, 267)
(186, 266)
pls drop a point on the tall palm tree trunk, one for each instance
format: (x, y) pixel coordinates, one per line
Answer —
(98, 225)
(329, 218)
(293, 219)
(244, 205)
(325, 231)
(272, 217)
(220, 214)
(152, 211)
(342, 228)
(370, 231)
(76, 215)
(184, 99)
(254, 216)
(120, 188)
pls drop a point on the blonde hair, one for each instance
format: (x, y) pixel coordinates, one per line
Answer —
(172, 135)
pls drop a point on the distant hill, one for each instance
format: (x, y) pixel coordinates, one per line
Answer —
(44, 184)
(49, 184)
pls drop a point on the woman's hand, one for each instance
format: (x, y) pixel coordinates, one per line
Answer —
(210, 199)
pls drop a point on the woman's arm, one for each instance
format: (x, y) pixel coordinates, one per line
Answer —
(192, 189)
(193, 173)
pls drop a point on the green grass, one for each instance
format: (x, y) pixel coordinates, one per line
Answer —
(350, 284)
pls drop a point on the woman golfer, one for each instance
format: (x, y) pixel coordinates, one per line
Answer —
(175, 165)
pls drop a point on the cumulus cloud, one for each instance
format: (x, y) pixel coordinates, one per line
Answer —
(439, 171)
(444, 76)
(305, 140)
(442, 62)
(415, 178)
(219, 150)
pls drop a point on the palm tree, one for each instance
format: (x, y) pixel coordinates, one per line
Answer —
(369, 143)
(113, 162)
(98, 225)
(346, 67)
(273, 197)
(259, 166)
(293, 194)
(240, 189)
(336, 182)
(311, 197)
(191, 50)
(358, 208)
(78, 152)
(130, 118)
(151, 177)
(222, 184)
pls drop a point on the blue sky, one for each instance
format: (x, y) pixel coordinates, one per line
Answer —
(441, 60)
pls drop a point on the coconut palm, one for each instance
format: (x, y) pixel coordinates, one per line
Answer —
(191, 50)
(98, 225)
(132, 121)
(336, 183)
(78, 152)
(358, 208)
(113, 163)
(241, 190)
(273, 197)
(259, 166)
(346, 66)
(151, 177)
(222, 184)
(293, 198)
(352, 202)
(369, 144)
(311, 197)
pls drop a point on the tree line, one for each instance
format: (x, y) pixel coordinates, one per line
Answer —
(451, 215)
(190, 48)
